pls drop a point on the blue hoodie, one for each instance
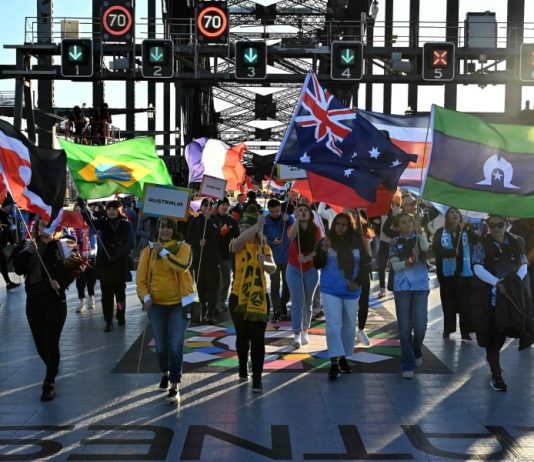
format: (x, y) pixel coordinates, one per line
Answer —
(273, 229)
(333, 280)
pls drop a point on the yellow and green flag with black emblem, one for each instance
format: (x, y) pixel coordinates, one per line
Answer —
(100, 171)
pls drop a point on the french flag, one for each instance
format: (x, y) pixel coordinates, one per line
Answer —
(208, 156)
(410, 133)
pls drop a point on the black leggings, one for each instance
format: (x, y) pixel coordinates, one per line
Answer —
(495, 341)
(383, 257)
(86, 279)
(46, 313)
(248, 334)
(112, 291)
(208, 287)
(363, 304)
(3, 266)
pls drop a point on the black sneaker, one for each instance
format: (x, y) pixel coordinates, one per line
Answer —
(344, 365)
(276, 318)
(109, 327)
(164, 383)
(319, 315)
(48, 392)
(173, 396)
(12, 285)
(497, 383)
(466, 338)
(334, 371)
(121, 322)
(257, 386)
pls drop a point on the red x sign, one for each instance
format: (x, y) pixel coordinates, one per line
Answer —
(440, 58)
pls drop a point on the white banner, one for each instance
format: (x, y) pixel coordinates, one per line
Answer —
(288, 172)
(166, 201)
(212, 187)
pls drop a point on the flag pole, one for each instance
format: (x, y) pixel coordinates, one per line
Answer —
(8, 187)
(36, 249)
(94, 229)
(424, 150)
(197, 275)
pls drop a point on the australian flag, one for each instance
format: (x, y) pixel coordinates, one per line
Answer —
(328, 139)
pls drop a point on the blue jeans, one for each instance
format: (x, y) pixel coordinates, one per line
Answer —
(412, 310)
(301, 285)
(169, 326)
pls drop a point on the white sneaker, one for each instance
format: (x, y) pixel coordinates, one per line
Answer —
(296, 342)
(407, 375)
(304, 337)
(92, 304)
(173, 396)
(361, 337)
(418, 362)
(81, 306)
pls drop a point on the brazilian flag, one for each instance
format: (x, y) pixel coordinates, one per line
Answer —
(100, 171)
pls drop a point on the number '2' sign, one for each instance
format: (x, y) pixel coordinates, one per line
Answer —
(117, 21)
(212, 22)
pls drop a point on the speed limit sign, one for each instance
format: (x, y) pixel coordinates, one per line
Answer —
(212, 22)
(117, 21)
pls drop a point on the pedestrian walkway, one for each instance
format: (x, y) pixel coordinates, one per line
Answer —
(105, 410)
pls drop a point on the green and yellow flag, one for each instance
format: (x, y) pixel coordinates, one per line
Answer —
(100, 171)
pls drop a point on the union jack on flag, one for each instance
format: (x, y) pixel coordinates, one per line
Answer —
(325, 115)
(321, 126)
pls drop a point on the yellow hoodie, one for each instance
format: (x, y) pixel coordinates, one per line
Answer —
(165, 278)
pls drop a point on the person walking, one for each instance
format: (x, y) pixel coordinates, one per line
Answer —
(249, 302)
(86, 241)
(7, 235)
(165, 286)
(344, 264)
(407, 255)
(453, 246)
(115, 243)
(41, 260)
(496, 257)
(301, 276)
(275, 230)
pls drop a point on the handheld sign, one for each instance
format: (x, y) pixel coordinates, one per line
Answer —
(166, 201)
(288, 172)
(212, 187)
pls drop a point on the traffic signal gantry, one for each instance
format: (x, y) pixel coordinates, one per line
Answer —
(346, 60)
(77, 58)
(526, 62)
(250, 60)
(439, 61)
(157, 58)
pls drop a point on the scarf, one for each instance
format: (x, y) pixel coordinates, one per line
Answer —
(449, 264)
(252, 300)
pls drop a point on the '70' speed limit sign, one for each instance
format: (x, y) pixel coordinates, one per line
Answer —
(117, 21)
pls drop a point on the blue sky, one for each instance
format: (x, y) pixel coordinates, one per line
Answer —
(470, 98)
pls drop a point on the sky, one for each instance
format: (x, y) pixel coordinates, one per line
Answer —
(470, 98)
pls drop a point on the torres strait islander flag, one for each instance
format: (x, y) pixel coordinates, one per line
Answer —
(479, 166)
(410, 133)
(208, 156)
(34, 176)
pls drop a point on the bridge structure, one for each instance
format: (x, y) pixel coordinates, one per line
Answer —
(298, 37)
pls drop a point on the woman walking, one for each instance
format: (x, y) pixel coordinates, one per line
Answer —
(410, 288)
(453, 246)
(165, 286)
(47, 274)
(248, 302)
(301, 276)
(344, 263)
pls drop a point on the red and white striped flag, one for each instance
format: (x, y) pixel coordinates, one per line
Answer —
(16, 170)
(412, 135)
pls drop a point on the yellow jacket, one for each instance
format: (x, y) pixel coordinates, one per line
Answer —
(166, 279)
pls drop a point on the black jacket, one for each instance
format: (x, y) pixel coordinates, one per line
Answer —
(514, 311)
(440, 252)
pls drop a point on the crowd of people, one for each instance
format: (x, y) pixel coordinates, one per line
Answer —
(319, 263)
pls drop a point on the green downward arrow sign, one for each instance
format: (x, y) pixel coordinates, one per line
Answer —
(251, 56)
(156, 54)
(75, 53)
(347, 56)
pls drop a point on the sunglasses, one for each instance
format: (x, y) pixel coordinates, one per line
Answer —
(496, 225)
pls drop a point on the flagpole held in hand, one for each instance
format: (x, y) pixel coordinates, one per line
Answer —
(90, 222)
